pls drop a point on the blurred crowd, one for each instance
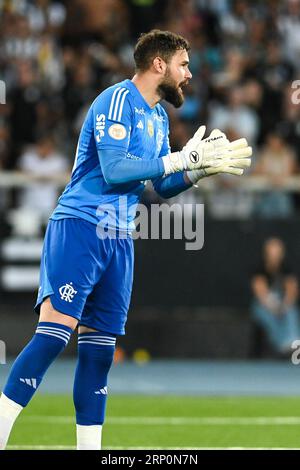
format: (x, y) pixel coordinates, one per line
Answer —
(56, 57)
(275, 289)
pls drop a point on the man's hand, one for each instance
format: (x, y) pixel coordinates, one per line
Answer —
(210, 155)
(230, 157)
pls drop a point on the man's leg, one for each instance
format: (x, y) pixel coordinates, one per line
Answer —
(103, 318)
(270, 322)
(291, 327)
(95, 357)
(51, 337)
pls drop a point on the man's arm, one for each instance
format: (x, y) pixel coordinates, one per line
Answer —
(233, 163)
(262, 293)
(118, 169)
(112, 122)
(260, 289)
(172, 185)
(112, 116)
(291, 291)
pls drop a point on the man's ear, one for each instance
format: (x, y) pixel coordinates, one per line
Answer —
(159, 65)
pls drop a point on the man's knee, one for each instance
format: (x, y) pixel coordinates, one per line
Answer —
(49, 314)
(85, 329)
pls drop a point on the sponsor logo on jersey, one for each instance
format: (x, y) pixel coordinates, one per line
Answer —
(140, 125)
(117, 131)
(158, 118)
(159, 139)
(100, 126)
(133, 157)
(150, 128)
(139, 111)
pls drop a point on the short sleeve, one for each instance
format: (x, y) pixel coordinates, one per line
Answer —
(112, 119)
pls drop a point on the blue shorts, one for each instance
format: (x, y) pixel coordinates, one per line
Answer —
(87, 277)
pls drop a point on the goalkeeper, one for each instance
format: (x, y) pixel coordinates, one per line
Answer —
(86, 279)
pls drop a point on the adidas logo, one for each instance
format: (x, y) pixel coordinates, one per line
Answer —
(102, 391)
(140, 125)
(30, 382)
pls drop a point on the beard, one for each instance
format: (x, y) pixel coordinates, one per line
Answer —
(170, 91)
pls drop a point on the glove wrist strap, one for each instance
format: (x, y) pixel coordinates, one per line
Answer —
(173, 163)
(196, 175)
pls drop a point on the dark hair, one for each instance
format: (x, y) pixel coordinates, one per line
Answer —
(157, 43)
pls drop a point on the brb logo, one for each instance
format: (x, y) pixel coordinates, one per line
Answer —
(100, 126)
(67, 292)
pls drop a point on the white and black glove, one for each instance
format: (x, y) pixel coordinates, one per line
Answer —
(232, 162)
(213, 155)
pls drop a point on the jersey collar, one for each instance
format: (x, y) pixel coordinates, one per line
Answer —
(136, 92)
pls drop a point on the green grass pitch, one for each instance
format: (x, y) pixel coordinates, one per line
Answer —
(166, 422)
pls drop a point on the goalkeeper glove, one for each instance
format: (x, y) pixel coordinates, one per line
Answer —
(233, 163)
(215, 151)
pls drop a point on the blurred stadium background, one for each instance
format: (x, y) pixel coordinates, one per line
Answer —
(190, 330)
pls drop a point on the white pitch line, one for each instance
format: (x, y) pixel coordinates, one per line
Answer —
(211, 421)
(37, 447)
(178, 421)
(60, 447)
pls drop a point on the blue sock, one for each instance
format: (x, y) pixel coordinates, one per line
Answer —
(95, 356)
(30, 366)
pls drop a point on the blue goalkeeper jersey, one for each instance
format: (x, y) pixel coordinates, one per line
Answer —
(121, 120)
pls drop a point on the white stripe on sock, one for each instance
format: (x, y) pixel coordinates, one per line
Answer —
(59, 330)
(55, 335)
(93, 342)
(96, 342)
(108, 338)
